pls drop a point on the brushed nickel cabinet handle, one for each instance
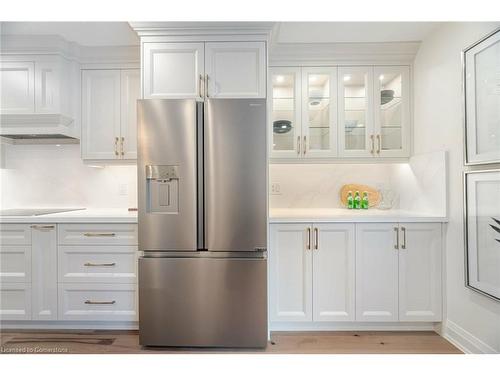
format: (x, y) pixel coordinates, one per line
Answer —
(116, 146)
(316, 239)
(206, 85)
(88, 264)
(403, 230)
(43, 226)
(373, 144)
(396, 245)
(121, 145)
(298, 145)
(99, 234)
(305, 145)
(379, 143)
(89, 302)
(308, 243)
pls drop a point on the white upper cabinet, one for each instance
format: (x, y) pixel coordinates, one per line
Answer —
(392, 111)
(356, 138)
(290, 276)
(376, 272)
(173, 70)
(285, 101)
(374, 111)
(333, 272)
(200, 70)
(130, 93)
(109, 113)
(235, 69)
(319, 112)
(17, 87)
(101, 95)
(420, 297)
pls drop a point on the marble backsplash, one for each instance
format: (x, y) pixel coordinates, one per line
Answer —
(419, 185)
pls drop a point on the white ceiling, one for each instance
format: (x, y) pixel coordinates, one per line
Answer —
(83, 33)
(352, 32)
(120, 33)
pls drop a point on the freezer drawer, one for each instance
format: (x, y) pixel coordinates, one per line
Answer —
(203, 302)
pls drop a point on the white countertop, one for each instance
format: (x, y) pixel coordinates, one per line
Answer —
(110, 215)
(301, 215)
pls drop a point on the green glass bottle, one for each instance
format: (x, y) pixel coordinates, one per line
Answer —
(364, 201)
(350, 200)
(357, 200)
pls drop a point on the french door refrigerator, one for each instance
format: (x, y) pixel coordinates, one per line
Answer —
(202, 222)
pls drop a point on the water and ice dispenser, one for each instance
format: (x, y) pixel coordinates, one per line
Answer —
(162, 189)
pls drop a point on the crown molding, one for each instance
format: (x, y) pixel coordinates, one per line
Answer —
(56, 45)
(288, 54)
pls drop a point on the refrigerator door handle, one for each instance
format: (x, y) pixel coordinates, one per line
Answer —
(206, 85)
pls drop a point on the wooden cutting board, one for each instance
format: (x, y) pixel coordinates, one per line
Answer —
(373, 194)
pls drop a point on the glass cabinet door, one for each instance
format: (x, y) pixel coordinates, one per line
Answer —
(356, 111)
(319, 112)
(285, 129)
(391, 104)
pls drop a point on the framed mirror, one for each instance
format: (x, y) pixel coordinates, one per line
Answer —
(482, 231)
(481, 81)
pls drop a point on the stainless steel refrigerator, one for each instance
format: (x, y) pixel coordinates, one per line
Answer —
(202, 222)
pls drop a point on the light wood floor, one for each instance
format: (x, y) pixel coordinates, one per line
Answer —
(127, 342)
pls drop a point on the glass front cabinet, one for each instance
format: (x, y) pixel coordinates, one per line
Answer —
(346, 112)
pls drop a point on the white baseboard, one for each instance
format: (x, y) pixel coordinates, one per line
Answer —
(351, 326)
(27, 325)
(464, 340)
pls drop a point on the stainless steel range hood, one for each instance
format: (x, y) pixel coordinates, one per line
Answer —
(37, 128)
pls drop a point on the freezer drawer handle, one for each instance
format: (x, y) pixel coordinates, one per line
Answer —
(99, 234)
(88, 264)
(89, 302)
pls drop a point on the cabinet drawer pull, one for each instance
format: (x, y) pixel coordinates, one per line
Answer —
(43, 226)
(305, 145)
(99, 234)
(116, 146)
(396, 245)
(298, 145)
(403, 229)
(379, 143)
(121, 146)
(316, 239)
(89, 302)
(88, 264)
(308, 243)
(372, 137)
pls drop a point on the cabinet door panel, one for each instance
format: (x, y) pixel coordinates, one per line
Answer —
(333, 272)
(376, 272)
(392, 111)
(44, 271)
(290, 265)
(47, 90)
(131, 91)
(319, 112)
(236, 69)
(17, 87)
(172, 70)
(285, 97)
(356, 112)
(420, 272)
(15, 264)
(100, 114)
(15, 301)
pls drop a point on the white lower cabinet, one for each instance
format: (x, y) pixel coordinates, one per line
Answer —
(15, 301)
(290, 279)
(84, 302)
(376, 272)
(44, 272)
(373, 272)
(312, 272)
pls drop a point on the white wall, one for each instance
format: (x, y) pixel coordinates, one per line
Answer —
(51, 176)
(473, 320)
